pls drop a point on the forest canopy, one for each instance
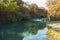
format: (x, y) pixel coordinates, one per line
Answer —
(54, 9)
(14, 10)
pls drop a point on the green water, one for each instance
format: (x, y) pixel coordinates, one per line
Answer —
(13, 31)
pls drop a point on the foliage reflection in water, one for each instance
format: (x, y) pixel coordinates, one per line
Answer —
(41, 35)
(15, 31)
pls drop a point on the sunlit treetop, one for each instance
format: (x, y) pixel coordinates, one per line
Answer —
(53, 5)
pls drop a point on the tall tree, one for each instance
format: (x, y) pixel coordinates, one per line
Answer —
(53, 6)
(38, 12)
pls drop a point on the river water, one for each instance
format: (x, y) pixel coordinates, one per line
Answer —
(41, 35)
(34, 29)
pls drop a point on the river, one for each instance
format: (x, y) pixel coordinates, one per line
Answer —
(41, 35)
(34, 29)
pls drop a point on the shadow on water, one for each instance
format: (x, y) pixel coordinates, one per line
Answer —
(15, 31)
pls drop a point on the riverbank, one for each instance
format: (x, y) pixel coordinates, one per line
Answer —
(54, 33)
(55, 25)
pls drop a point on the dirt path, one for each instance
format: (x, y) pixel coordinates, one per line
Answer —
(54, 25)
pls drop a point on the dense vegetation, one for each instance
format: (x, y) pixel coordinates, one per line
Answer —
(11, 11)
(52, 34)
(54, 9)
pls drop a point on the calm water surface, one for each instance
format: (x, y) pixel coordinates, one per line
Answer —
(41, 35)
(16, 31)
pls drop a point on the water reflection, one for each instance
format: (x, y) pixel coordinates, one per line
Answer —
(41, 35)
(41, 20)
(18, 30)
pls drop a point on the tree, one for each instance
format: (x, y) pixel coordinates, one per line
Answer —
(53, 6)
(37, 12)
(10, 9)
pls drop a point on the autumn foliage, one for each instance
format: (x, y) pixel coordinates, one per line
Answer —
(54, 9)
(40, 12)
